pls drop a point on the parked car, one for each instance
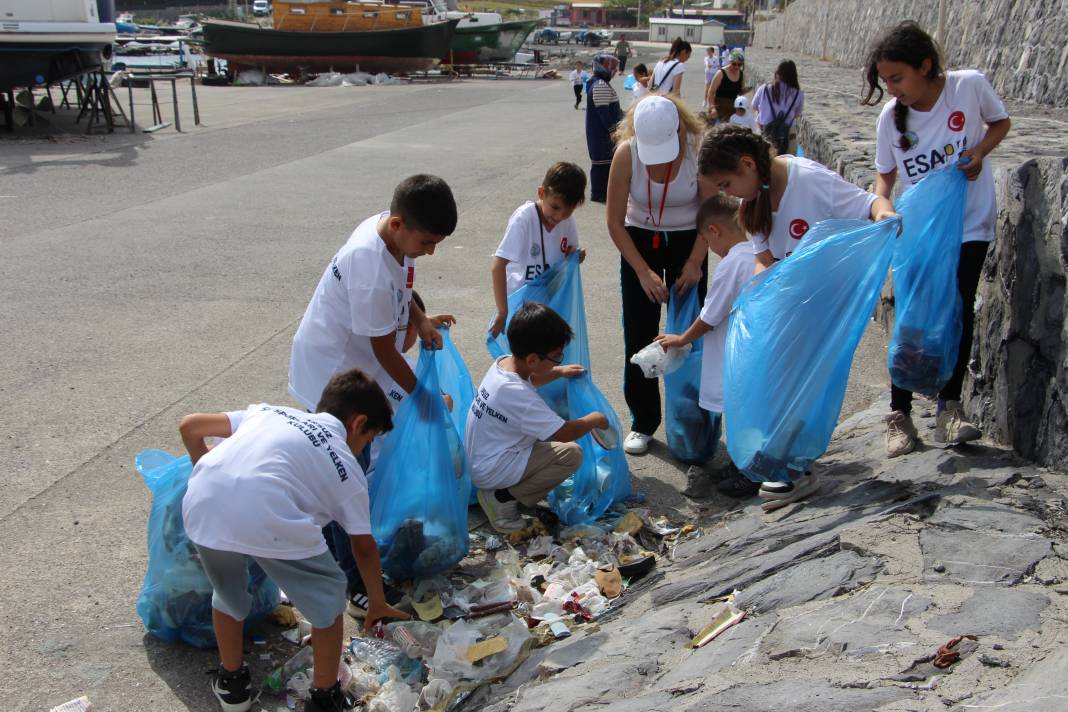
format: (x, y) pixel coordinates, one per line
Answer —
(591, 38)
(546, 35)
(260, 8)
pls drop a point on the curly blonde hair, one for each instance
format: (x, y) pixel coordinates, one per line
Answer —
(689, 122)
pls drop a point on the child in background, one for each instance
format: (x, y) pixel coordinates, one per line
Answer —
(782, 197)
(937, 118)
(742, 116)
(517, 447)
(717, 224)
(641, 82)
(264, 494)
(360, 313)
(578, 80)
(711, 67)
(539, 235)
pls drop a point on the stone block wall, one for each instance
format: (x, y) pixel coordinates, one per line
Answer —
(1021, 45)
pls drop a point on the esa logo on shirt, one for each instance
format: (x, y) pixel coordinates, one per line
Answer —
(798, 228)
(955, 122)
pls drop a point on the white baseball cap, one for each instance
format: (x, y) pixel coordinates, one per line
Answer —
(656, 129)
(741, 103)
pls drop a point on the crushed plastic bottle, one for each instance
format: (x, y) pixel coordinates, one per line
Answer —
(655, 362)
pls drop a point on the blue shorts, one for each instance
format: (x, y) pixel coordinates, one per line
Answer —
(316, 586)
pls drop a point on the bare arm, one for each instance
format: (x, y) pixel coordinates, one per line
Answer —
(427, 332)
(995, 133)
(884, 184)
(690, 274)
(571, 370)
(194, 428)
(676, 341)
(499, 272)
(676, 85)
(572, 430)
(385, 351)
(365, 551)
(710, 95)
(619, 177)
(763, 261)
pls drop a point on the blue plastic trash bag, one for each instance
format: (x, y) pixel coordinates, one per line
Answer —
(454, 379)
(629, 82)
(790, 344)
(559, 288)
(927, 306)
(604, 477)
(692, 431)
(421, 487)
(175, 600)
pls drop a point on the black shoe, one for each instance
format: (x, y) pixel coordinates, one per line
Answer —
(358, 601)
(698, 483)
(233, 689)
(738, 486)
(331, 700)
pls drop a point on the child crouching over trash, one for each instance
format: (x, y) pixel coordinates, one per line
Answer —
(518, 449)
(717, 224)
(265, 493)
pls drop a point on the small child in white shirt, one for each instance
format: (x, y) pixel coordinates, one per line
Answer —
(540, 234)
(518, 449)
(641, 82)
(742, 116)
(717, 224)
(578, 79)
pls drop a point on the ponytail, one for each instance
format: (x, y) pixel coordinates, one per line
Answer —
(909, 44)
(722, 149)
(678, 46)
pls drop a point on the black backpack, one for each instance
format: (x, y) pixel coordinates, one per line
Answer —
(777, 131)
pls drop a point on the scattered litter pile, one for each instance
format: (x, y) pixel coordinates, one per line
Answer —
(478, 624)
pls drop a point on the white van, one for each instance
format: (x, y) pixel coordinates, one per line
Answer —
(260, 8)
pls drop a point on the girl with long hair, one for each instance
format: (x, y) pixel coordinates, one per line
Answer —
(667, 74)
(778, 104)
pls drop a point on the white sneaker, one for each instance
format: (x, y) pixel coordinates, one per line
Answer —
(636, 443)
(780, 494)
(952, 429)
(900, 434)
(504, 517)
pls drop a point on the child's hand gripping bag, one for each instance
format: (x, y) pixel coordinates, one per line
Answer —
(790, 344)
(927, 307)
(175, 599)
(604, 476)
(692, 432)
(421, 488)
(559, 288)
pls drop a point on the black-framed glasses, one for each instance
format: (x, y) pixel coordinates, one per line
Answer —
(556, 361)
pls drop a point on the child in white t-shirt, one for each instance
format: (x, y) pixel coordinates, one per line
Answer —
(717, 224)
(782, 197)
(518, 449)
(539, 235)
(742, 116)
(641, 82)
(577, 77)
(937, 118)
(264, 494)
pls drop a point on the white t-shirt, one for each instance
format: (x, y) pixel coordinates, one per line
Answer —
(507, 417)
(711, 67)
(813, 193)
(639, 91)
(576, 77)
(665, 73)
(730, 275)
(270, 488)
(956, 122)
(522, 245)
(364, 292)
(748, 121)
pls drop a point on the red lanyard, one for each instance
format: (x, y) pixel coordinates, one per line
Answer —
(663, 201)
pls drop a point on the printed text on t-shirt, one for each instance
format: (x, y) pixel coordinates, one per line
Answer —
(479, 406)
(920, 165)
(318, 436)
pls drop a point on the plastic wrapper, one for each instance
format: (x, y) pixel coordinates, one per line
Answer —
(420, 494)
(394, 696)
(415, 639)
(927, 306)
(692, 432)
(382, 655)
(656, 361)
(175, 599)
(559, 288)
(604, 477)
(790, 345)
(450, 659)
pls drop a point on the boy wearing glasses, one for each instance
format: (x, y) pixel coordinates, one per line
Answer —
(518, 449)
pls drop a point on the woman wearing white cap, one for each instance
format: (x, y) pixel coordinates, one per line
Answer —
(652, 213)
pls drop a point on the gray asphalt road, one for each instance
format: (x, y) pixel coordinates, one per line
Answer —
(145, 277)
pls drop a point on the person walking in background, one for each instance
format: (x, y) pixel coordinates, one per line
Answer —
(936, 118)
(578, 79)
(777, 105)
(652, 220)
(622, 51)
(667, 74)
(725, 87)
(711, 67)
(602, 114)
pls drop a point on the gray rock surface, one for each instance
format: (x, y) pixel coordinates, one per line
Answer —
(798, 696)
(1043, 687)
(812, 580)
(979, 559)
(1004, 613)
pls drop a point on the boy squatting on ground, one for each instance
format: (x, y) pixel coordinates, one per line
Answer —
(265, 493)
(539, 235)
(717, 224)
(517, 447)
(360, 313)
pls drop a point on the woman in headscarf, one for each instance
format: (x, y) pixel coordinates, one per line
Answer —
(602, 114)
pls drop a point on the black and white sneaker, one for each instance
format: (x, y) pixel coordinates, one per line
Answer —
(233, 689)
(358, 601)
(331, 700)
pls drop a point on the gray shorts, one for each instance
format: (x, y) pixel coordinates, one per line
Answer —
(316, 586)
